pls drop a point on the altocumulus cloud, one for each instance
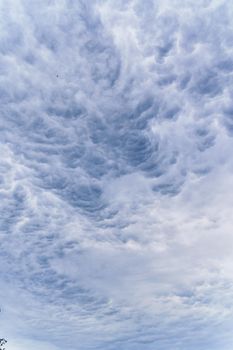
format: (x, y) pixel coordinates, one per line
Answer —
(116, 174)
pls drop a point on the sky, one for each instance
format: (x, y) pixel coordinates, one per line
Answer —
(116, 174)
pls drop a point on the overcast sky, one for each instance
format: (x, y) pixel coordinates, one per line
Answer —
(116, 174)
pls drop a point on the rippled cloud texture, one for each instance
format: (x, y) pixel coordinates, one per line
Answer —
(116, 174)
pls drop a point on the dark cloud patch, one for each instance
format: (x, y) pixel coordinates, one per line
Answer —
(225, 65)
(137, 148)
(208, 84)
(71, 155)
(87, 197)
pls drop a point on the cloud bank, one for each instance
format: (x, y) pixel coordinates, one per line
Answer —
(116, 167)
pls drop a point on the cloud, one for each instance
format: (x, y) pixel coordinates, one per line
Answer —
(116, 170)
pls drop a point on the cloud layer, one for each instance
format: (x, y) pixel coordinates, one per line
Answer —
(116, 174)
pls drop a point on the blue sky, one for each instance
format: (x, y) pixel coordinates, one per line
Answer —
(116, 174)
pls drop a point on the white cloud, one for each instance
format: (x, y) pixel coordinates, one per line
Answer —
(116, 174)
